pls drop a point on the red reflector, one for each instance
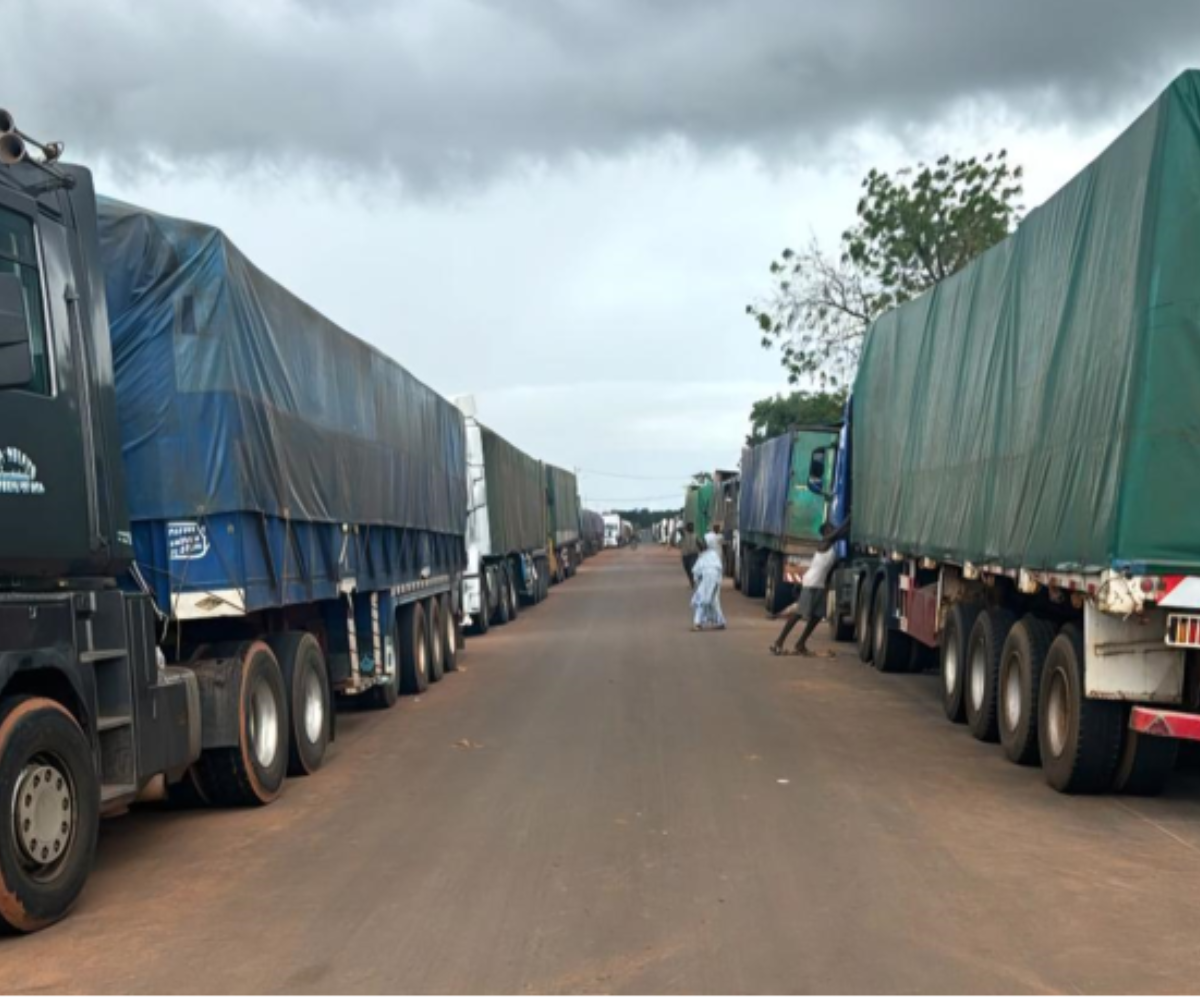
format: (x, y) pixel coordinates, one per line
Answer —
(1195, 632)
(1147, 585)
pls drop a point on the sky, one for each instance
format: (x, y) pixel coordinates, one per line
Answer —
(562, 207)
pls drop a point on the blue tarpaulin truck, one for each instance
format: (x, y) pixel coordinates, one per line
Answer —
(218, 511)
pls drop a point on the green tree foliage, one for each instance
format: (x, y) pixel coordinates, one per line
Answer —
(914, 228)
(773, 416)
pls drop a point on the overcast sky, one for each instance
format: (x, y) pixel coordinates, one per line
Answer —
(563, 207)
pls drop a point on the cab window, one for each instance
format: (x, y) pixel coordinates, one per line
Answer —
(18, 256)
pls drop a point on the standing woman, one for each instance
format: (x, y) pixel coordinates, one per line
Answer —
(706, 599)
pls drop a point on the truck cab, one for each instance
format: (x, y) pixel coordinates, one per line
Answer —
(88, 714)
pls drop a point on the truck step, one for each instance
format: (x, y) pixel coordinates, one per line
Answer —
(108, 722)
(100, 655)
(113, 793)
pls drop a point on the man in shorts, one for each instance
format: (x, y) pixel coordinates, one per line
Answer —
(811, 603)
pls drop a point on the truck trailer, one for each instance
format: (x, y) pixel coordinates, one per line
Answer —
(1020, 459)
(779, 518)
(562, 523)
(217, 511)
(591, 532)
(508, 551)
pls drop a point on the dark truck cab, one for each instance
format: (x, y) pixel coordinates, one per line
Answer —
(89, 715)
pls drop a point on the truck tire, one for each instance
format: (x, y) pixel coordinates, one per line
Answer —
(891, 649)
(306, 679)
(1079, 738)
(503, 613)
(953, 659)
(863, 630)
(481, 622)
(49, 814)
(1018, 685)
(840, 630)
(253, 772)
(984, 646)
(1145, 764)
(778, 591)
(413, 649)
(756, 582)
(436, 639)
(511, 582)
(449, 636)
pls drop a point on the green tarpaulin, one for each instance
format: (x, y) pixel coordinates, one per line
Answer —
(516, 496)
(1041, 408)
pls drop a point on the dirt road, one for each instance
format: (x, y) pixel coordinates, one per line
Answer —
(605, 802)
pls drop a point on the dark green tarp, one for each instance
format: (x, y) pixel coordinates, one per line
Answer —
(1041, 408)
(516, 497)
(562, 499)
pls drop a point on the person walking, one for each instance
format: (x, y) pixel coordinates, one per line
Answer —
(811, 603)
(706, 598)
(689, 550)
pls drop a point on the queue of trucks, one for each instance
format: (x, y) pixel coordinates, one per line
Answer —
(1018, 463)
(220, 515)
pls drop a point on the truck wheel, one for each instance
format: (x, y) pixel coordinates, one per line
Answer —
(49, 814)
(953, 659)
(984, 646)
(1146, 763)
(513, 602)
(863, 632)
(1017, 686)
(449, 636)
(503, 614)
(1079, 737)
(306, 678)
(891, 648)
(840, 630)
(482, 621)
(756, 584)
(779, 591)
(437, 639)
(252, 773)
(413, 650)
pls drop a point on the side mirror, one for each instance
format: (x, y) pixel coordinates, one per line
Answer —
(816, 472)
(16, 351)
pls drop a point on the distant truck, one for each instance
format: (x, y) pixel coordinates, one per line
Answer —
(779, 519)
(508, 533)
(219, 510)
(1021, 458)
(591, 532)
(563, 541)
(612, 531)
(723, 511)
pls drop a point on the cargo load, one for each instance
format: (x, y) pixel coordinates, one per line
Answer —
(1038, 409)
(562, 505)
(515, 496)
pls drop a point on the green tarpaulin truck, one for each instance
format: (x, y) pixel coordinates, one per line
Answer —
(1021, 462)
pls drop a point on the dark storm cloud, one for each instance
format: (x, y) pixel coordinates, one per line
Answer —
(441, 91)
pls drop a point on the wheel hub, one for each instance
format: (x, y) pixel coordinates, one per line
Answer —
(264, 724)
(950, 666)
(44, 813)
(1012, 697)
(978, 672)
(1056, 715)
(314, 707)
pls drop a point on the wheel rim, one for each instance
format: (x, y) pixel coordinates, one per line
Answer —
(880, 623)
(1057, 714)
(436, 640)
(422, 658)
(950, 665)
(978, 675)
(1012, 697)
(264, 723)
(831, 608)
(451, 639)
(314, 707)
(44, 814)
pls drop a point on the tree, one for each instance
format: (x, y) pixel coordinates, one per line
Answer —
(914, 229)
(773, 416)
(701, 478)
